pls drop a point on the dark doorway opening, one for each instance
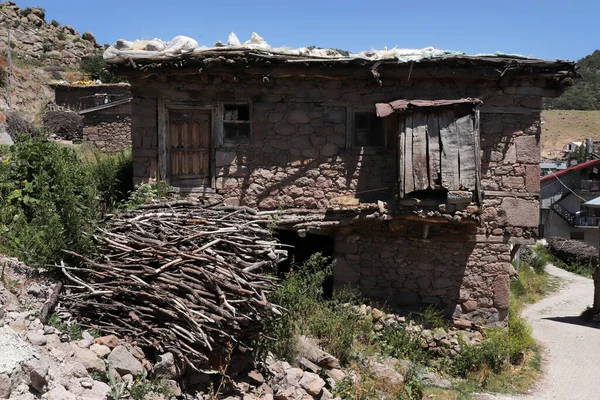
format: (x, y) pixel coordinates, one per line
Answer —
(303, 248)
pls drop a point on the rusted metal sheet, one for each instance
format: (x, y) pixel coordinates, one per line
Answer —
(385, 109)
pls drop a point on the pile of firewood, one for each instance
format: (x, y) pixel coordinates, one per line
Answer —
(573, 251)
(178, 277)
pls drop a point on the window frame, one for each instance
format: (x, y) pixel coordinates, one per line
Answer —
(351, 130)
(231, 143)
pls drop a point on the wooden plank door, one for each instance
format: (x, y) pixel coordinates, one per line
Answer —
(189, 147)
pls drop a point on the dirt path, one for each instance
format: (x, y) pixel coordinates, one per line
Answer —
(571, 348)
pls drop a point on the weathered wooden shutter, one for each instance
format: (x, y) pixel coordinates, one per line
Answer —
(437, 150)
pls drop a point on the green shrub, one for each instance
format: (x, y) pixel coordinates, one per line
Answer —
(113, 175)
(97, 68)
(335, 323)
(61, 36)
(492, 354)
(52, 198)
(55, 23)
(538, 264)
(145, 193)
(48, 201)
(399, 343)
(77, 40)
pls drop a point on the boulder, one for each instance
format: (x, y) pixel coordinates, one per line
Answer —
(69, 29)
(386, 372)
(312, 383)
(309, 350)
(38, 12)
(124, 362)
(88, 359)
(110, 341)
(37, 339)
(35, 20)
(59, 393)
(100, 350)
(166, 367)
(89, 36)
(256, 377)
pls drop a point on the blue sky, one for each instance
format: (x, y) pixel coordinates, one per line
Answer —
(550, 29)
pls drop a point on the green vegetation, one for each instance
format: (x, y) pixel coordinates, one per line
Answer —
(73, 329)
(97, 68)
(506, 361)
(55, 23)
(61, 36)
(53, 196)
(567, 262)
(585, 93)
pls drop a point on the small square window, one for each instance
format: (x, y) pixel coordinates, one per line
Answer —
(236, 123)
(369, 130)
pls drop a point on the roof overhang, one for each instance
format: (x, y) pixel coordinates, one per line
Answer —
(385, 109)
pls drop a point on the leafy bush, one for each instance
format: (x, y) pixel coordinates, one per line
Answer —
(55, 23)
(145, 193)
(585, 93)
(538, 264)
(48, 201)
(399, 343)
(97, 68)
(61, 36)
(492, 354)
(52, 198)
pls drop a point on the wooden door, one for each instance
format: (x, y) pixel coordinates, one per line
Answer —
(189, 152)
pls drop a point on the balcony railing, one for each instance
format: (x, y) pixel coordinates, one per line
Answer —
(590, 185)
(586, 221)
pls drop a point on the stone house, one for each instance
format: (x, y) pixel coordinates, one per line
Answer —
(419, 175)
(563, 195)
(105, 110)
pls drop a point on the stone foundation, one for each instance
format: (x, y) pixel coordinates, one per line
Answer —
(468, 280)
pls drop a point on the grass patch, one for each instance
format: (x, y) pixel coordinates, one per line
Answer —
(506, 361)
(333, 322)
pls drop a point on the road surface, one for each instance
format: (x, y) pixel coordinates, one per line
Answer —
(571, 367)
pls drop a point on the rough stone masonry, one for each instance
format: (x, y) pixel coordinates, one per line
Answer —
(300, 155)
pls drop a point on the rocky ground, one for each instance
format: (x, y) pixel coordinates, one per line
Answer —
(41, 52)
(59, 360)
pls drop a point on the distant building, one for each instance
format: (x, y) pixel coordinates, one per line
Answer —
(573, 146)
(562, 194)
(106, 112)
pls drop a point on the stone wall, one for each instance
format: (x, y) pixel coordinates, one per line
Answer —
(298, 157)
(109, 129)
(392, 264)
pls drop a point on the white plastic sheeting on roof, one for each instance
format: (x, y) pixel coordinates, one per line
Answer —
(156, 49)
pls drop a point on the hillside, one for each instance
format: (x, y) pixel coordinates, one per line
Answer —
(564, 126)
(585, 93)
(41, 52)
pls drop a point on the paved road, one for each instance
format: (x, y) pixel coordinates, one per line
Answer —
(571, 348)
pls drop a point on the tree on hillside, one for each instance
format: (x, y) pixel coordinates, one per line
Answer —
(585, 93)
(97, 68)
